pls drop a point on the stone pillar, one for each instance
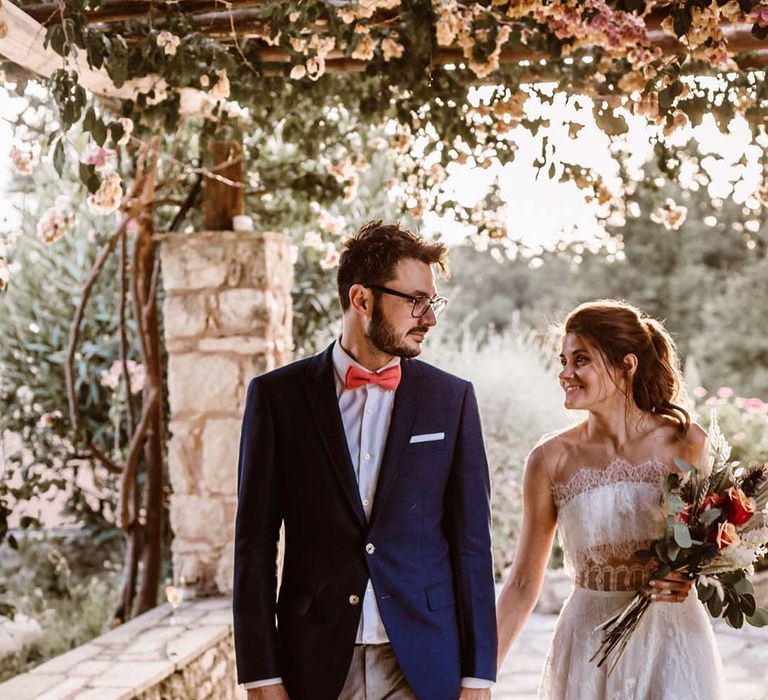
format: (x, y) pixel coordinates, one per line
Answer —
(227, 318)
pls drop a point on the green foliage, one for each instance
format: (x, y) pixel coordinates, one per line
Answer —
(37, 311)
(744, 423)
(733, 347)
(65, 583)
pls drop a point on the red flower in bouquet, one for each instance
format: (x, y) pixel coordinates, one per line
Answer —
(713, 500)
(684, 515)
(740, 508)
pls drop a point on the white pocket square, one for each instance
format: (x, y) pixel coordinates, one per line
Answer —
(427, 437)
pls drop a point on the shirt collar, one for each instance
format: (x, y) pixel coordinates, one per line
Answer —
(342, 361)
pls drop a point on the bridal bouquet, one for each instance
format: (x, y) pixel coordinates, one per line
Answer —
(717, 528)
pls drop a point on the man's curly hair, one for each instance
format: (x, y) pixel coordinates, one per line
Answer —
(371, 256)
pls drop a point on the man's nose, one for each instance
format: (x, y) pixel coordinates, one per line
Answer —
(429, 318)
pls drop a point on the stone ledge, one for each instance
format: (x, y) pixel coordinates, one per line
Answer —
(136, 657)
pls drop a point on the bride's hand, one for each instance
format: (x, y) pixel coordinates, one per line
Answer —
(672, 589)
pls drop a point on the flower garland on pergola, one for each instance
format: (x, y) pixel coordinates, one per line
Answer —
(147, 64)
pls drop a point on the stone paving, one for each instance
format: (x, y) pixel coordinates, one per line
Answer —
(186, 655)
(744, 652)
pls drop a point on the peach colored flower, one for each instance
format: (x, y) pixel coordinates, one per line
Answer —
(108, 197)
(759, 15)
(168, 42)
(127, 125)
(137, 375)
(726, 535)
(671, 215)
(331, 259)
(391, 49)
(312, 239)
(49, 418)
(97, 156)
(56, 222)
(315, 67)
(298, 71)
(23, 161)
(220, 91)
(364, 49)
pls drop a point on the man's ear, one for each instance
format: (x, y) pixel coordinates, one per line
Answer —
(361, 300)
(630, 365)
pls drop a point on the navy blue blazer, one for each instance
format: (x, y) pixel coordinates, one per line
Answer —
(431, 568)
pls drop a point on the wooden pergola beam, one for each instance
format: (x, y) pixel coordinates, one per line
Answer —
(23, 45)
(112, 11)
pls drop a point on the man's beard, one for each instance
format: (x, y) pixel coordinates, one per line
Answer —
(385, 339)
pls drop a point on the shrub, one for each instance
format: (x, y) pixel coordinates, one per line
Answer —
(744, 422)
(68, 586)
(519, 401)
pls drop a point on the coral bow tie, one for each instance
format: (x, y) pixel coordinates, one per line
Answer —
(387, 379)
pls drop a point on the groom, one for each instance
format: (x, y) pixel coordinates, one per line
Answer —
(375, 464)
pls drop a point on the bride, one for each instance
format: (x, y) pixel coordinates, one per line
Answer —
(600, 483)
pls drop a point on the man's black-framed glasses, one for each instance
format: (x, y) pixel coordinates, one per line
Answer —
(420, 304)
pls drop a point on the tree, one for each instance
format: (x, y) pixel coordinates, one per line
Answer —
(692, 275)
(733, 346)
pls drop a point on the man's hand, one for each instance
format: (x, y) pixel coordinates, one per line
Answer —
(672, 589)
(475, 694)
(276, 691)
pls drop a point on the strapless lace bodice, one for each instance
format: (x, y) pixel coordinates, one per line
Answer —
(606, 515)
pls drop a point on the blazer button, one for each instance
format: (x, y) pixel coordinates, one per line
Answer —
(369, 548)
(354, 600)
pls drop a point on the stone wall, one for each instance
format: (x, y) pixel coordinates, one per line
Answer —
(227, 318)
(211, 676)
(160, 655)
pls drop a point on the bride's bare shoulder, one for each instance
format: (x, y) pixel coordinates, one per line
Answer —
(689, 445)
(694, 443)
(552, 451)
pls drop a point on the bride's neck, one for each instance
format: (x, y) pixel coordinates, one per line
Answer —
(617, 427)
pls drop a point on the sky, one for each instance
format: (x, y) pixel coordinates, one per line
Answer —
(540, 212)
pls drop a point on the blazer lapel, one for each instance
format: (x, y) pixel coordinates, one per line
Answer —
(321, 395)
(400, 427)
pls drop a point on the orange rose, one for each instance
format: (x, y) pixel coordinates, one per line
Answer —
(726, 534)
(740, 507)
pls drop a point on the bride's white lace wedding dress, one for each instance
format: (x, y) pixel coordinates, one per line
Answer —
(604, 517)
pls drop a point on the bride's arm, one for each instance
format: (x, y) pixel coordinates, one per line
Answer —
(521, 590)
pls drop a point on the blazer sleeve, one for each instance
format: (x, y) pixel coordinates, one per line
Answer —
(468, 528)
(257, 529)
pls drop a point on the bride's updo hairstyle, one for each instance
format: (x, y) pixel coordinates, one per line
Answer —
(618, 329)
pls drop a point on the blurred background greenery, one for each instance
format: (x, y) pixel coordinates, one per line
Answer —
(707, 280)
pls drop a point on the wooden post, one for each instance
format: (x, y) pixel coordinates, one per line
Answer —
(222, 200)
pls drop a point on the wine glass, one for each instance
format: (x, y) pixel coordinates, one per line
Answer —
(174, 595)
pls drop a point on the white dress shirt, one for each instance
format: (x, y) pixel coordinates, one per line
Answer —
(366, 413)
